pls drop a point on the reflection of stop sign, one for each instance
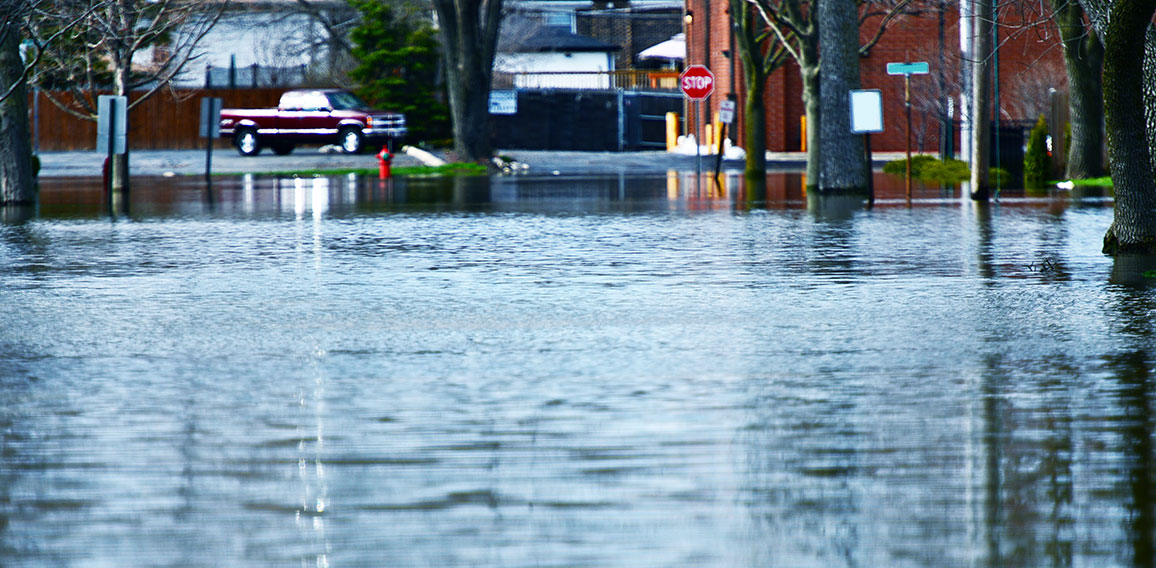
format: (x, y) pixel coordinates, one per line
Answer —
(696, 82)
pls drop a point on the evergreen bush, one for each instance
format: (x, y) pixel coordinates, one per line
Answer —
(1036, 162)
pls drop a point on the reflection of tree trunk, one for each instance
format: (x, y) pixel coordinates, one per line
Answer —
(16, 179)
(842, 168)
(1134, 223)
(1137, 439)
(1084, 59)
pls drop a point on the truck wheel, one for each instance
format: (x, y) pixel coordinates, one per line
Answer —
(350, 140)
(282, 149)
(246, 142)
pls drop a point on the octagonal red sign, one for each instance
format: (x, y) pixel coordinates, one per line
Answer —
(696, 82)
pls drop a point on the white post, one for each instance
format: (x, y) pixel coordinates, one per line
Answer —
(966, 53)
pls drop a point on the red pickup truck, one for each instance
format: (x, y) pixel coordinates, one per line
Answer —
(315, 116)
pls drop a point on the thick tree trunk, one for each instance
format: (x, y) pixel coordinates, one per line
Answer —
(1123, 33)
(984, 15)
(1084, 60)
(469, 32)
(17, 185)
(843, 168)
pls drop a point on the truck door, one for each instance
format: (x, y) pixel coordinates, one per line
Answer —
(305, 117)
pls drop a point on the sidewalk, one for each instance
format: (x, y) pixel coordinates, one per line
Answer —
(540, 162)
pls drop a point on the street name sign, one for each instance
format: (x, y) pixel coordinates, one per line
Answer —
(907, 68)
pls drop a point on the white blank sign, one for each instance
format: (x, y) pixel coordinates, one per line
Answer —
(866, 111)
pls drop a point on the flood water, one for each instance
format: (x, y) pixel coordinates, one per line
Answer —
(603, 372)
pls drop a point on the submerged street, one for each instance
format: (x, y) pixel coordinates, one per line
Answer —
(543, 370)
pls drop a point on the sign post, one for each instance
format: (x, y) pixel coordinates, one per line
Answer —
(867, 117)
(111, 127)
(210, 129)
(726, 115)
(907, 69)
(697, 83)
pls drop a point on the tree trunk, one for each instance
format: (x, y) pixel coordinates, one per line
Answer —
(809, 73)
(984, 15)
(843, 169)
(750, 51)
(1123, 33)
(1084, 60)
(118, 169)
(469, 32)
(755, 127)
(17, 186)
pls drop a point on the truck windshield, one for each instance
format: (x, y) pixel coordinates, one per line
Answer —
(346, 101)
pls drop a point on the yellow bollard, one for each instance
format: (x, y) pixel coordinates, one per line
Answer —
(803, 129)
(671, 131)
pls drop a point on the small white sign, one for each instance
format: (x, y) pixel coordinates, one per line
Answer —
(866, 111)
(112, 113)
(726, 112)
(211, 117)
(503, 102)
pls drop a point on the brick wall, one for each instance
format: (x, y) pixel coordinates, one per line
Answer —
(1030, 62)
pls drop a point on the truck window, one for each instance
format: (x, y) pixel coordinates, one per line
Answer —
(344, 100)
(303, 101)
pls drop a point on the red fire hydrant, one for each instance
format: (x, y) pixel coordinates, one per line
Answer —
(383, 162)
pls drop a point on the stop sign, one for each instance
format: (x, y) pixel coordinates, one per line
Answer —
(696, 82)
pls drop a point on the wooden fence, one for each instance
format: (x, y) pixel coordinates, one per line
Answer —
(168, 120)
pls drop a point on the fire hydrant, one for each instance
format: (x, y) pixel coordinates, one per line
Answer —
(383, 163)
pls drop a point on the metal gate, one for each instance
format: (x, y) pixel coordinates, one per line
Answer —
(644, 118)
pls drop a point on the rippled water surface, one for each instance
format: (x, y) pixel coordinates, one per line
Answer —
(615, 372)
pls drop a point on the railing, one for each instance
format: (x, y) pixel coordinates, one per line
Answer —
(602, 80)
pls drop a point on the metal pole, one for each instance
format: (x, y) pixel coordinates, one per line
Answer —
(995, 92)
(698, 145)
(870, 170)
(907, 104)
(36, 120)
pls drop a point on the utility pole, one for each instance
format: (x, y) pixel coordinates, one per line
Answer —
(982, 20)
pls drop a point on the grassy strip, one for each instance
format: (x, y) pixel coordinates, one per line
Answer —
(459, 169)
(1100, 181)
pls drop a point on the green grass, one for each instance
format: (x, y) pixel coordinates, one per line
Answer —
(930, 168)
(460, 169)
(1100, 181)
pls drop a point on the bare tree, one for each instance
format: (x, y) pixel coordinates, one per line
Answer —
(794, 25)
(17, 184)
(760, 54)
(469, 33)
(111, 35)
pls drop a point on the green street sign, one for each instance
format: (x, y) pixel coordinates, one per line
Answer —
(908, 68)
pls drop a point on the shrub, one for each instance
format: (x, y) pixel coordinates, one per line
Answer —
(1036, 162)
(950, 171)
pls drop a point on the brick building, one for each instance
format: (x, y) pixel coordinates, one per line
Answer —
(1030, 63)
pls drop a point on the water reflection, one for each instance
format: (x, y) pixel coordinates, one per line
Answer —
(612, 371)
(352, 194)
